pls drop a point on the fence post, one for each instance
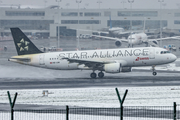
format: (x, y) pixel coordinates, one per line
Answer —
(121, 101)
(12, 104)
(67, 112)
(175, 110)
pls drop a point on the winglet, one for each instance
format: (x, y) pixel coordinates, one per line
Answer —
(23, 44)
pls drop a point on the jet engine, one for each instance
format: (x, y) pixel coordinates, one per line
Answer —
(118, 43)
(155, 42)
(112, 68)
(126, 69)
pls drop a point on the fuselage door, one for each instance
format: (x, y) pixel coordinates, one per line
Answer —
(152, 53)
(41, 60)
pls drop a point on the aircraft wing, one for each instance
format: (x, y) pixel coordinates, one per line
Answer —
(174, 38)
(95, 64)
(91, 31)
(111, 38)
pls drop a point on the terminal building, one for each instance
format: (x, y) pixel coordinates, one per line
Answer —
(44, 22)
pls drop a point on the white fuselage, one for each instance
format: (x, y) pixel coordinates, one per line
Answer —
(128, 57)
(137, 39)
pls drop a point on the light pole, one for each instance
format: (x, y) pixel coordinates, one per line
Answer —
(164, 4)
(58, 30)
(99, 2)
(67, 4)
(131, 1)
(178, 5)
(123, 3)
(78, 2)
(45, 1)
(160, 1)
(1, 31)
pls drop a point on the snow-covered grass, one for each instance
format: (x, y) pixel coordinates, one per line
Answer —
(97, 97)
(92, 97)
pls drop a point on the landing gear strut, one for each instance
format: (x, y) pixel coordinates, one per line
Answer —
(154, 73)
(130, 46)
(101, 74)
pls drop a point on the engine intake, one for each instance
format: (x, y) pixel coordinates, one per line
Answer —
(118, 43)
(155, 42)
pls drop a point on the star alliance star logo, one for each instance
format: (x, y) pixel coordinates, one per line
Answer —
(23, 45)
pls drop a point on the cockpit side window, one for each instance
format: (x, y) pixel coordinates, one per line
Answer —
(164, 52)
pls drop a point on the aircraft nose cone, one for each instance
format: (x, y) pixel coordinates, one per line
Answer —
(174, 57)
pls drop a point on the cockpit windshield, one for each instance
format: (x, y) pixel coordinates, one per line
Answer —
(165, 52)
(131, 38)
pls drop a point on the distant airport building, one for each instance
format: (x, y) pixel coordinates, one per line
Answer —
(43, 22)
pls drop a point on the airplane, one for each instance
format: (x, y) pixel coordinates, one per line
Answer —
(116, 31)
(107, 60)
(137, 39)
(110, 31)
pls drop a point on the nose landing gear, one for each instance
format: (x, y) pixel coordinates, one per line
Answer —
(153, 69)
(154, 73)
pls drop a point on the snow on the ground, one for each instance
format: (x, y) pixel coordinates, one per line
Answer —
(97, 97)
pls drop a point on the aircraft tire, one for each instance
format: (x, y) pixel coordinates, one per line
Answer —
(101, 74)
(154, 73)
(93, 75)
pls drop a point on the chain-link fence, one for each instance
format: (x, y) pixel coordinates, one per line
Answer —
(87, 113)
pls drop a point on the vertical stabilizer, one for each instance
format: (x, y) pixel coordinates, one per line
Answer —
(23, 44)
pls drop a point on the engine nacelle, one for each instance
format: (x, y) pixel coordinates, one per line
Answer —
(155, 42)
(126, 69)
(118, 43)
(112, 68)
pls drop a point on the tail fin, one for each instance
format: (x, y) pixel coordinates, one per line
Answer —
(23, 44)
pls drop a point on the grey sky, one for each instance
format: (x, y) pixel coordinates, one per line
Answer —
(138, 4)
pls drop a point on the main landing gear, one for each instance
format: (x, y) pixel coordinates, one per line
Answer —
(101, 74)
(153, 69)
(94, 75)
